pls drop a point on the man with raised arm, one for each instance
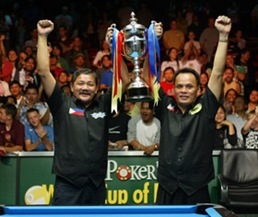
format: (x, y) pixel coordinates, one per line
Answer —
(187, 130)
(80, 132)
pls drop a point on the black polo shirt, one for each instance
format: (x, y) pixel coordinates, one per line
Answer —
(80, 138)
(186, 143)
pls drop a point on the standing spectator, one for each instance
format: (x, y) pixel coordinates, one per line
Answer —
(124, 13)
(64, 40)
(192, 59)
(192, 43)
(64, 19)
(238, 42)
(104, 22)
(144, 130)
(250, 130)
(104, 51)
(78, 47)
(172, 61)
(106, 78)
(185, 155)
(174, 37)
(182, 23)
(209, 38)
(38, 137)
(204, 80)
(32, 42)
(244, 60)
(89, 29)
(195, 26)
(11, 130)
(144, 14)
(106, 64)
(61, 61)
(168, 85)
(79, 63)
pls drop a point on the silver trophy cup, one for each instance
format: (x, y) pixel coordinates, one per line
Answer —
(135, 49)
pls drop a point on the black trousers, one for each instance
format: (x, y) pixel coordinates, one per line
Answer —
(179, 197)
(67, 194)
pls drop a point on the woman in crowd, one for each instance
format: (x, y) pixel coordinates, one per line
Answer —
(225, 134)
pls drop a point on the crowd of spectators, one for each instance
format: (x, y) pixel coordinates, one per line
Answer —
(189, 40)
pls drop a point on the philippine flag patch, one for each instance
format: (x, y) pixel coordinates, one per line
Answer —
(76, 111)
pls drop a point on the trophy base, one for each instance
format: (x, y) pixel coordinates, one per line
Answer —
(139, 94)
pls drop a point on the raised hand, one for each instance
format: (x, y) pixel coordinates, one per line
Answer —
(45, 27)
(223, 24)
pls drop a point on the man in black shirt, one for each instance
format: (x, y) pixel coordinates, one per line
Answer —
(80, 130)
(185, 155)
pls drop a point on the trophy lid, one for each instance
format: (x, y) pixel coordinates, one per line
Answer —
(133, 26)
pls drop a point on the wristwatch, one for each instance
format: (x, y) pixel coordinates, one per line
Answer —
(156, 147)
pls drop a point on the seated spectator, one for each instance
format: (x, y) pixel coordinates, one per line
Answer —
(55, 69)
(11, 99)
(4, 88)
(253, 100)
(229, 99)
(144, 130)
(62, 78)
(225, 133)
(29, 51)
(239, 118)
(3, 100)
(168, 84)
(67, 90)
(16, 91)
(10, 67)
(204, 79)
(11, 130)
(250, 130)
(117, 129)
(38, 137)
(206, 64)
(28, 74)
(31, 95)
(131, 108)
